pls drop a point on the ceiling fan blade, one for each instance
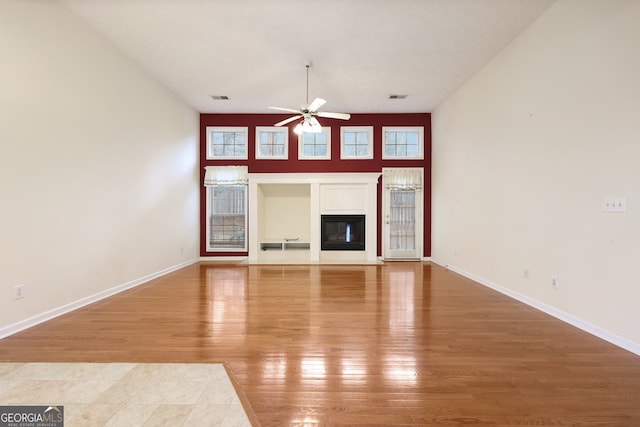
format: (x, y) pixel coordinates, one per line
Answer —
(288, 110)
(317, 103)
(289, 120)
(341, 116)
(314, 121)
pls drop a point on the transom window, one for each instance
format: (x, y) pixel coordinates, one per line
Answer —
(272, 143)
(402, 142)
(315, 146)
(227, 143)
(356, 142)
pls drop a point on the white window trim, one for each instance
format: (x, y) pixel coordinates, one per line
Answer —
(275, 129)
(418, 129)
(367, 129)
(244, 130)
(327, 131)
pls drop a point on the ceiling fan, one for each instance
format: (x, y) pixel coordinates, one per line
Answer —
(308, 114)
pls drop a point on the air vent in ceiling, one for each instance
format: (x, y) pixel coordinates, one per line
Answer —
(220, 97)
(397, 96)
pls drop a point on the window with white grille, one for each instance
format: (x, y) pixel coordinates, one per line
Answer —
(272, 142)
(315, 146)
(403, 142)
(356, 142)
(226, 143)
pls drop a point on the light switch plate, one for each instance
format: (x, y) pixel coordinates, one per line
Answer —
(615, 204)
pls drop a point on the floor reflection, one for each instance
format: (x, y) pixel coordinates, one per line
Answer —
(401, 370)
(313, 368)
(351, 326)
(354, 371)
(225, 297)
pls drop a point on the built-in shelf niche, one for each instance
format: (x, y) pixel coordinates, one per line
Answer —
(285, 212)
(284, 228)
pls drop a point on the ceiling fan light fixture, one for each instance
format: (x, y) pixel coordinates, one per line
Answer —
(311, 127)
(307, 126)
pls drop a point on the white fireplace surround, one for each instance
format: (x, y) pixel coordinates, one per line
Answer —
(285, 211)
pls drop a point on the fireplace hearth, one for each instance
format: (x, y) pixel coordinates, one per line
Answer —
(342, 233)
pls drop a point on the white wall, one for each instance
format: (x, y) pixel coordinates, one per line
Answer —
(523, 156)
(98, 171)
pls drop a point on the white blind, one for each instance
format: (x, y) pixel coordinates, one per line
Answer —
(226, 175)
(403, 179)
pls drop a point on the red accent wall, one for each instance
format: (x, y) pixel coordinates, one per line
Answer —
(335, 164)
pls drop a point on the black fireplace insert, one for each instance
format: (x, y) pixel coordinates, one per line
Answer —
(342, 232)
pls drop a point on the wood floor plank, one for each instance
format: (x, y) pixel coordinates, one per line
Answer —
(406, 343)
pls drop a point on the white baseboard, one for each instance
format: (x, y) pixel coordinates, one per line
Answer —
(599, 332)
(224, 258)
(48, 315)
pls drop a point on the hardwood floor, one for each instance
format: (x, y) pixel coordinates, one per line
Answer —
(403, 343)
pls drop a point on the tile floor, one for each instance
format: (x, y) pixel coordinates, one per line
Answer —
(126, 394)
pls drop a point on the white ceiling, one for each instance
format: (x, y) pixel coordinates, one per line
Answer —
(362, 51)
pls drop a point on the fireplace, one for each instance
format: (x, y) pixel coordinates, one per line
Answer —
(342, 232)
(285, 211)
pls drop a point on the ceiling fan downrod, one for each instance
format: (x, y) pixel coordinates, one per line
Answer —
(308, 64)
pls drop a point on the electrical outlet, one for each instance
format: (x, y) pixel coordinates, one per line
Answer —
(525, 273)
(18, 292)
(554, 282)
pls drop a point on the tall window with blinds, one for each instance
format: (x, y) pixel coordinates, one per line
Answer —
(228, 217)
(226, 208)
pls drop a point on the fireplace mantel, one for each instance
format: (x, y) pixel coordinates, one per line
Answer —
(311, 195)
